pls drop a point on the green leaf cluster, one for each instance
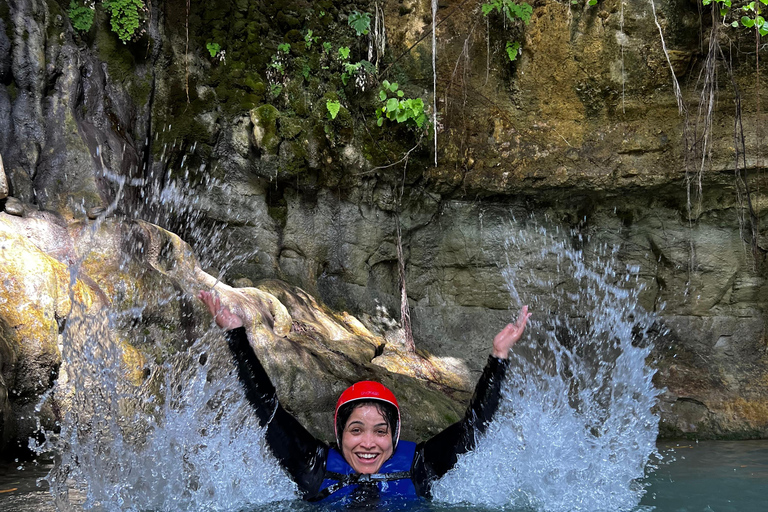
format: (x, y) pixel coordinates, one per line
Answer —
(752, 19)
(333, 107)
(310, 39)
(213, 49)
(513, 48)
(510, 9)
(81, 16)
(360, 22)
(399, 108)
(125, 17)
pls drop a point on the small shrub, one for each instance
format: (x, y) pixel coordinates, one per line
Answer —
(81, 16)
(360, 22)
(125, 17)
(213, 49)
(399, 108)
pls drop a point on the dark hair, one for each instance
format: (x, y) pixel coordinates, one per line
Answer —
(386, 409)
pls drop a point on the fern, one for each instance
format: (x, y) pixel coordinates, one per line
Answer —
(125, 17)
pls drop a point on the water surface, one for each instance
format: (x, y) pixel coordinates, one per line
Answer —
(714, 476)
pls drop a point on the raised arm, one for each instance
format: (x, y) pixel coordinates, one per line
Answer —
(299, 452)
(436, 456)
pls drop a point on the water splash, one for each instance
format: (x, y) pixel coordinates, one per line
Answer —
(576, 431)
(183, 439)
(176, 433)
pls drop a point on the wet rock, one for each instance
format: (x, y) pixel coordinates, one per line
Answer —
(242, 282)
(3, 180)
(14, 207)
(95, 211)
(312, 351)
(35, 296)
(265, 132)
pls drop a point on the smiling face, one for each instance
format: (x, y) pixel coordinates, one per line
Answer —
(366, 442)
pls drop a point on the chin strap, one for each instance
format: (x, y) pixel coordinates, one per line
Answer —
(359, 479)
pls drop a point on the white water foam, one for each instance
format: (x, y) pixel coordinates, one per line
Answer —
(576, 430)
(185, 439)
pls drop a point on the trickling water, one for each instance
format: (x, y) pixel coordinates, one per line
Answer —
(576, 430)
(434, 75)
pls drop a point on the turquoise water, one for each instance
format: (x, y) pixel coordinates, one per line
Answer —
(723, 476)
(717, 476)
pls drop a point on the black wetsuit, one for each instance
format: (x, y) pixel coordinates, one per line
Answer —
(304, 457)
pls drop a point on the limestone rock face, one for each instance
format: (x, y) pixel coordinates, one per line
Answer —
(146, 279)
(581, 138)
(36, 300)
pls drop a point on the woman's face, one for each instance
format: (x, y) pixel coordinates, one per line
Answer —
(366, 442)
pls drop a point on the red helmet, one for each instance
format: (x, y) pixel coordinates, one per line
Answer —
(367, 390)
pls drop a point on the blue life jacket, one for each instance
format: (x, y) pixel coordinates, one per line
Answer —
(393, 479)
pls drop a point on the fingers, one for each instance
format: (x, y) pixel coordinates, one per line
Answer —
(212, 302)
(522, 318)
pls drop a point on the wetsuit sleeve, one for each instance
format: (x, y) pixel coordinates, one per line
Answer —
(436, 456)
(299, 452)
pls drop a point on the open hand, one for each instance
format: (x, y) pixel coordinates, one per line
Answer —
(510, 335)
(224, 318)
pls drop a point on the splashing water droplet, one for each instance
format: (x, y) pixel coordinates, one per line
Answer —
(576, 430)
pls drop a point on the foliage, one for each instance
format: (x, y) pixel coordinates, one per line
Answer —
(351, 70)
(509, 9)
(213, 49)
(399, 108)
(513, 48)
(277, 64)
(360, 22)
(333, 108)
(344, 53)
(753, 17)
(81, 16)
(309, 39)
(125, 17)
(512, 12)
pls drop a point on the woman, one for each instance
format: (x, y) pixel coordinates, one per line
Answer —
(369, 461)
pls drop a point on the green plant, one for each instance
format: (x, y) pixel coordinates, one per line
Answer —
(752, 19)
(213, 49)
(513, 48)
(344, 52)
(399, 108)
(512, 12)
(81, 16)
(756, 19)
(125, 17)
(360, 22)
(510, 9)
(277, 62)
(333, 107)
(327, 47)
(309, 39)
(352, 69)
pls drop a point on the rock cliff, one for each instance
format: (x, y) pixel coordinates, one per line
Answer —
(582, 133)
